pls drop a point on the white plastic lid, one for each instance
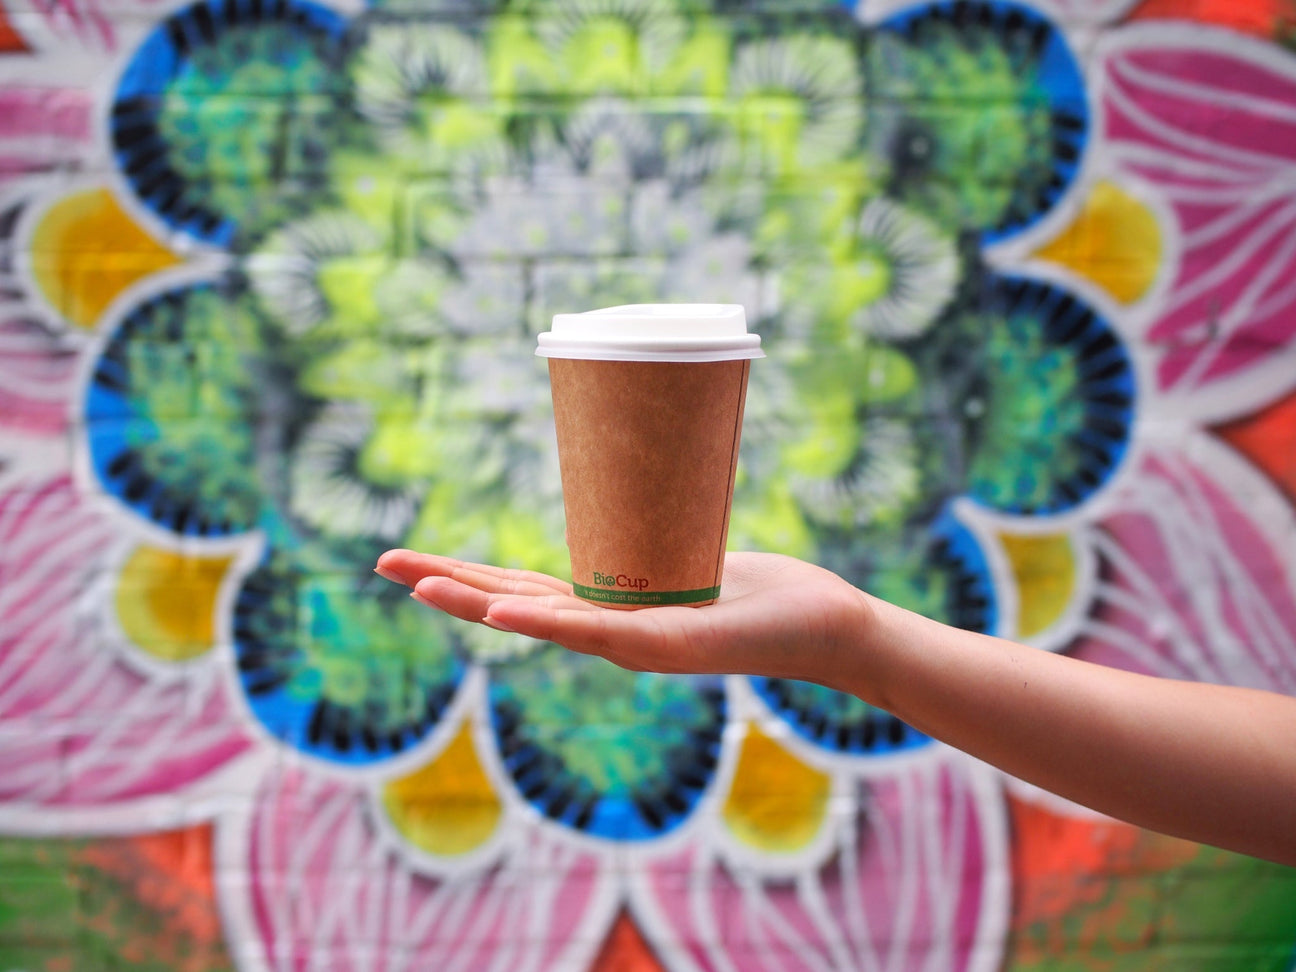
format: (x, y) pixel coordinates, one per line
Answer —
(653, 332)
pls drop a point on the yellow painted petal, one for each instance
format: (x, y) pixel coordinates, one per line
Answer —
(1045, 569)
(86, 249)
(776, 802)
(448, 807)
(1114, 241)
(166, 602)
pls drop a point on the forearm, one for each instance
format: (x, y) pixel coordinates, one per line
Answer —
(1205, 762)
(1209, 763)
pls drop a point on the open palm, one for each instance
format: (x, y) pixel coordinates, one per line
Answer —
(776, 615)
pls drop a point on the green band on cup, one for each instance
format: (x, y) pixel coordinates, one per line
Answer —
(602, 595)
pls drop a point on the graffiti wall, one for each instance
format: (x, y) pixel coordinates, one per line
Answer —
(271, 273)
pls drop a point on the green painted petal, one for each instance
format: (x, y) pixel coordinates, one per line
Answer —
(881, 483)
(1033, 409)
(699, 66)
(1052, 420)
(768, 517)
(921, 271)
(620, 753)
(604, 48)
(517, 61)
(368, 185)
(340, 666)
(365, 370)
(257, 101)
(191, 367)
(961, 168)
(333, 489)
(794, 101)
(302, 268)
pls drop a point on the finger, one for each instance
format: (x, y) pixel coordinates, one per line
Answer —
(498, 581)
(459, 600)
(471, 603)
(408, 567)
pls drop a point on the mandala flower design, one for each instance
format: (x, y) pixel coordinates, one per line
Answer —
(342, 362)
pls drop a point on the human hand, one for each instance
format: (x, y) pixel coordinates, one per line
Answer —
(776, 616)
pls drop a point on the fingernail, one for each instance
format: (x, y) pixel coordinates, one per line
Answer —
(415, 595)
(386, 574)
(496, 624)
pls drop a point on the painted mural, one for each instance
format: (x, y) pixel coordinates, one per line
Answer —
(271, 273)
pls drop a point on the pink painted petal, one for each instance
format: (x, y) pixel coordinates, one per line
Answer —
(43, 127)
(78, 24)
(918, 883)
(327, 891)
(36, 380)
(60, 114)
(1196, 578)
(1209, 119)
(77, 726)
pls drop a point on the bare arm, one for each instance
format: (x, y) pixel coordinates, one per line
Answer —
(1210, 763)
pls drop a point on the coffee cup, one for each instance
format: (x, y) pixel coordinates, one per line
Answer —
(648, 405)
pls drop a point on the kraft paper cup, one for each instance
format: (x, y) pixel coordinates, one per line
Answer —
(648, 404)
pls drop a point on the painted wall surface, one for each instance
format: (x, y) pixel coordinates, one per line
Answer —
(271, 273)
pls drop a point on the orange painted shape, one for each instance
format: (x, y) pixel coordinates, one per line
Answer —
(1262, 18)
(86, 249)
(170, 872)
(11, 42)
(1268, 439)
(625, 950)
(1062, 861)
(185, 856)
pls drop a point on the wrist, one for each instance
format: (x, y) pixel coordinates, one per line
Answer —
(850, 661)
(872, 659)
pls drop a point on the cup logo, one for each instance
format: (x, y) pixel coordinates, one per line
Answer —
(620, 580)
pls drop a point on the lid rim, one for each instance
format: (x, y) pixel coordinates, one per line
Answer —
(652, 332)
(605, 353)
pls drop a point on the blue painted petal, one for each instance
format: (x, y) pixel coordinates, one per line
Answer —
(946, 160)
(1059, 403)
(168, 415)
(340, 667)
(205, 45)
(835, 720)
(943, 575)
(614, 754)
